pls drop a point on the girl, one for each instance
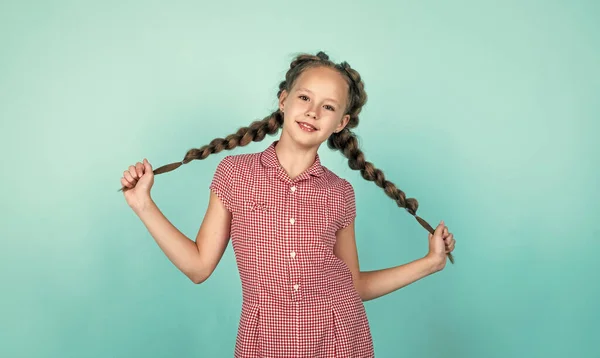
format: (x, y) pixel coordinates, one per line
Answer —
(291, 222)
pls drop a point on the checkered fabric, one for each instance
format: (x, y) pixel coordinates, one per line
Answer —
(298, 297)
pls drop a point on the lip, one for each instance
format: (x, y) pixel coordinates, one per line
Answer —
(308, 124)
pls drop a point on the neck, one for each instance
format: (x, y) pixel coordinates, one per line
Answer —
(294, 158)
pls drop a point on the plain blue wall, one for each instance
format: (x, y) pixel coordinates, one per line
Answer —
(486, 112)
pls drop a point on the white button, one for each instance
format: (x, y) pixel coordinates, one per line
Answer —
(296, 287)
(292, 254)
(293, 189)
(292, 221)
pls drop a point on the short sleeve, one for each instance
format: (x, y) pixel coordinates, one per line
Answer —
(221, 182)
(349, 204)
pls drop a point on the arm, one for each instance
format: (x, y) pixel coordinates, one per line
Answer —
(197, 260)
(374, 284)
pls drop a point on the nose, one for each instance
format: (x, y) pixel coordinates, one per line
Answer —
(311, 113)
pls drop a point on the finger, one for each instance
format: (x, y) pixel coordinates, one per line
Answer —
(132, 172)
(451, 247)
(448, 239)
(128, 177)
(445, 231)
(139, 167)
(125, 183)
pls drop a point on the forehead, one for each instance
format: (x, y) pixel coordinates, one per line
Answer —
(323, 81)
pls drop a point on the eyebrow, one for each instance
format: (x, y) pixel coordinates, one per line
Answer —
(309, 91)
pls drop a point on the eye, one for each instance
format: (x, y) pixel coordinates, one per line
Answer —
(331, 108)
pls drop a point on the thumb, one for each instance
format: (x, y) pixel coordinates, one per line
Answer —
(147, 166)
(440, 228)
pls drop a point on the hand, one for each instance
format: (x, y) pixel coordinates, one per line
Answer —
(440, 244)
(137, 181)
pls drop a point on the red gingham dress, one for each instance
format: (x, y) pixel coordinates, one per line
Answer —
(298, 297)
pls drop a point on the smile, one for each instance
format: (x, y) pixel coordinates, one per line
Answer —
(306, 127)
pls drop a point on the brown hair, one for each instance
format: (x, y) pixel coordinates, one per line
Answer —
(345, 141)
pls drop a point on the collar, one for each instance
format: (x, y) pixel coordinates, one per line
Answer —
(268, 158)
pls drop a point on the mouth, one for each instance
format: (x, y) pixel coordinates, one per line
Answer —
(307, 127)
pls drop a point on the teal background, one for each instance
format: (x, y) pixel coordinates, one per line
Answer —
(486, 112)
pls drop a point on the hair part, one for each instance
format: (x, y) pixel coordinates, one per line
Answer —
(345, 141)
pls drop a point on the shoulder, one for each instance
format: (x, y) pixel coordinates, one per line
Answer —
(239, 161)
(337, 183)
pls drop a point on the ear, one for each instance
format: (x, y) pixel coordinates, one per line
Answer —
(343, 123)
(282, 99)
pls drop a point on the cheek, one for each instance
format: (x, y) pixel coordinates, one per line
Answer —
(333, 121)
(295, 107)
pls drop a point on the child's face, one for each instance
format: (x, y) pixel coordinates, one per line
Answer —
(319, 98)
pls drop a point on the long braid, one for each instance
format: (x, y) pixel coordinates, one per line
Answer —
(254, 132)
(346, 142)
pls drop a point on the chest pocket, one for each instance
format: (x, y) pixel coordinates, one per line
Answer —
(258, 212)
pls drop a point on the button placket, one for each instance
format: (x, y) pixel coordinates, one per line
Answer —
(294, 268)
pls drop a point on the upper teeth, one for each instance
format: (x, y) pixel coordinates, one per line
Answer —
(307, 126)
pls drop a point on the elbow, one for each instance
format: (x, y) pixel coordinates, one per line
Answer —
(198, 273)
(195, 280)
(198, 277)
(364, 297)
